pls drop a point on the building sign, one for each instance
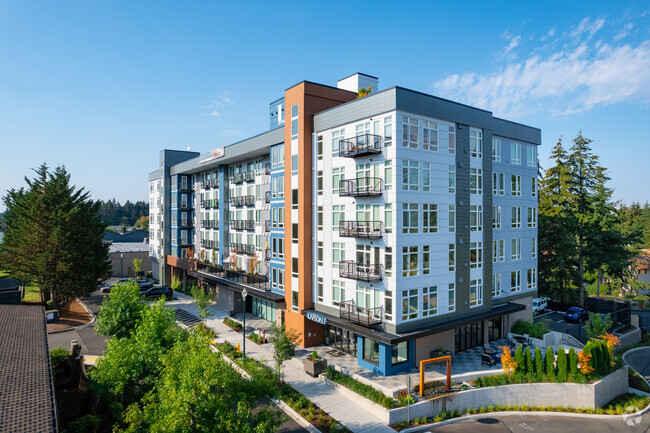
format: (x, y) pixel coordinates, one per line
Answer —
(316, 318)
(212, 155)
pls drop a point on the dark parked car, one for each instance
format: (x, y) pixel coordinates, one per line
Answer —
(576, 314)
(144, 284)
(158, 291)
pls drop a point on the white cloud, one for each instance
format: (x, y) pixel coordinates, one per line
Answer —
(216, 106)
(566, 80)
(548, 35)
(214, 113)
(624, 32)
(514, 43)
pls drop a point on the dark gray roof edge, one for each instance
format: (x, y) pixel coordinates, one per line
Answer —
(516, 131)
(154, 175)
(318, 84)
(442, 99)
(357, 73)
(277, 100)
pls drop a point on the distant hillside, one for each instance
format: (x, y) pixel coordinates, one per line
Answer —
(115, 214)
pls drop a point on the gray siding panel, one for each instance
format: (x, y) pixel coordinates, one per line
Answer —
(358, 109)
(462, 220)
(516, 131)
(487, 218)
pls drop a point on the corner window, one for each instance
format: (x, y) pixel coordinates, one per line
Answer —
(399, 353)
(371, 350)
(476, 144)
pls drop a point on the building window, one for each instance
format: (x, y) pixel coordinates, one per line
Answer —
(515, 281)
(533, 186)
(452, 257)
(496, 285)
(409, 175)
(363, 297)
(294, 267)
(294, 301)
(515, 249)
(531, 156)
(319, 182)
(409, 304)
(280, 248)
(515, 185)
(371, 350)
(410, 135)
(429, 218)
(399, 353)
(475, 181)
(515, 217)
(320, 218)
(320, 289)
(319, 147)
(496, 150)
(337, 136)
(426, 176)
(388, 131)
(476, 255)
(338, 254)
(281, 279)
(452, 218)
(498, 184)
(388, 175)
(515, 153)
(452, 178)
(320, 253)
(294, 164)
(452, 297)
(476, 144)
(294, 233)
(531, 278)
(430, 301)
(338, 215)
(496, 217)
(429, 135)
(409, 261)
(499, 247)
(388, 305)
(338, 174)
(533, 247)
(338, 292)
(476, 218)
(388, 261)
(476, 293)
(294, 199)
(426, 259)
(532, 217)
(388, 218)
(410, 217)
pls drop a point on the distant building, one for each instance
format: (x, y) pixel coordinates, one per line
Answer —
(11, 291)
(642, 266)
(136, 235)
(121, 255)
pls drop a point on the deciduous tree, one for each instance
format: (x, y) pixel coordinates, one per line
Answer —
(120, 311)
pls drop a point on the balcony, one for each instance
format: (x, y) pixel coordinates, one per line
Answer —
(267, 168)
(210, 224)
(205, 184)
(267, 255)
(185, 224)
(242, 224)
(361, 187)
(242, 249)
(259, 282)
(360, 315)
(361, 271)
(184, 187)
(361, 145)
(186, 205)
(361, 229)
(249, 176)
(267, 226)
(267, 197)
(237, 178)
(244, 200)
(184, 242)
(208, 243)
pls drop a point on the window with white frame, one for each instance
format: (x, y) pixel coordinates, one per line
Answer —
(496, 217)
(498, 184)
(281, 217)
(426, 176)
(410, 131)
(337, 137)
(533, 186)
(531, 278)
(515, 153)
(476, 218)
(319, 219)
(452, 257)
(388, 218)
(515, 281)
(476, 181)
(496, 150)
(388, 131)
(500, 249)
(429, 301)
(388, 175)
(281, 248)
(410, 304)
(452, 178)
(320, 293)
(338, 174)
(338, 253)
(338, 292)
(532, 217)
(515, 185)
(476, 255)
(515, 217)
(338, 215)
(476, 293)
(533, 247)
(452, 218)
(452, 140)
(429, 218)
(426, 259)
(388, 304)
(294, 122)
(429, 135)
(531, 156)
(410, 261)
(515, 249)
(452, 297)
(410, 213)
(388, 261)
(476, 144)
(363, 296)
(320, 253)
(496, 284)
(281, 279)
(410, 175)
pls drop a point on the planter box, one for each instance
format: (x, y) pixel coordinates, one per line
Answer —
(315, 368)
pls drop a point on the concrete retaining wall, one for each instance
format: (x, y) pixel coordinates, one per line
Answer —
(630, 338)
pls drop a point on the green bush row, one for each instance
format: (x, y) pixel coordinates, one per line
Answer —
(360, 388)
(536, 330)
(236, 326)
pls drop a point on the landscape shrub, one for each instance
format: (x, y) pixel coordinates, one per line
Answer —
(528, 360)
(561, 365)
(232, 324)
(360, 388)
(519, 359)
(85, 424)
(572, 362)
(115, 410)
(539, 362)
(58, 355)
(536, 330)
(549, 359)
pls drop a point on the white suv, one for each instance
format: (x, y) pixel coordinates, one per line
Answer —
(539, 304)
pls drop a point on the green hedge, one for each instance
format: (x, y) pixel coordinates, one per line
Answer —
(360, 388)
(232, 324)
(536, 330)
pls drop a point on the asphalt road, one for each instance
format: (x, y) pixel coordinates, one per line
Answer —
(558, 324)
(544, 424)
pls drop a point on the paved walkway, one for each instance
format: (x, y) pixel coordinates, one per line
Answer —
(639, 359)
(341, 408)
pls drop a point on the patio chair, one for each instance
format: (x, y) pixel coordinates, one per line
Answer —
(489, 350)
(487, 359)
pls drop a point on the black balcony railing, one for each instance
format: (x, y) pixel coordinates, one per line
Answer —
(361, 229)
(242, 249)
(244, 200)
(214, 183)
(361, 187)
(242, 224)
(249, 176)
(267, 197)
(259, 282)
(267, 255)
(360, 271)
(184, 187)
(185, 205)
(210, 204)
(267, 226)
(208, 243)
(210, 224)
(361, 145)
(237, 178)
(185, 224)
(361, 315)
(183, 242)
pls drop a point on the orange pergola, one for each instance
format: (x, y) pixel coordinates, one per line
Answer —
(446, 358)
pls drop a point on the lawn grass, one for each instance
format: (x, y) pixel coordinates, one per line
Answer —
(32, 294)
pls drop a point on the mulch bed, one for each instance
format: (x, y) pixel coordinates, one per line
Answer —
(73, 315)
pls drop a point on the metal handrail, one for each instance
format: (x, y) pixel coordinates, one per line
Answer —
(364, 144)
(361, 271)
(361, 229)
(361, 187)
(361, 315)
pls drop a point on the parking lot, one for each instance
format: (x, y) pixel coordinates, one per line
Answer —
(557, 323)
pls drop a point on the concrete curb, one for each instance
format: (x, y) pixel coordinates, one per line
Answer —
(634, 350)
(91, 323)
(295, 416)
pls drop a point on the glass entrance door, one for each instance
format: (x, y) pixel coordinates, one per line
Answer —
(469, 336)
(494, 328)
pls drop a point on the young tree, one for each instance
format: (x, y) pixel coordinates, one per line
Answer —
(202, 300)
(549, 360)
(597, 325)
(528, 361)
(539, 361)
(137, 266)
(284, 344)
(562, 372)
(55, 236)
(519, 359)
(573, 362)
(120, 311)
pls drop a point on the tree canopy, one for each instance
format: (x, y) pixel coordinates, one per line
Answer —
(120, 311)
(54, 236)
(127, 214)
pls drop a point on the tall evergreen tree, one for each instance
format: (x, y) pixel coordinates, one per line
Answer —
(54, 236)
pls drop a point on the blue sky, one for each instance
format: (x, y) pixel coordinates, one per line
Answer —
(103, 86)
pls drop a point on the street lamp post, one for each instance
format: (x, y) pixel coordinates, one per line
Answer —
(121, 264)
(244, 293)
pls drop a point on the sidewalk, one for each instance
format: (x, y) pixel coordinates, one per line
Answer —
(341, 408)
